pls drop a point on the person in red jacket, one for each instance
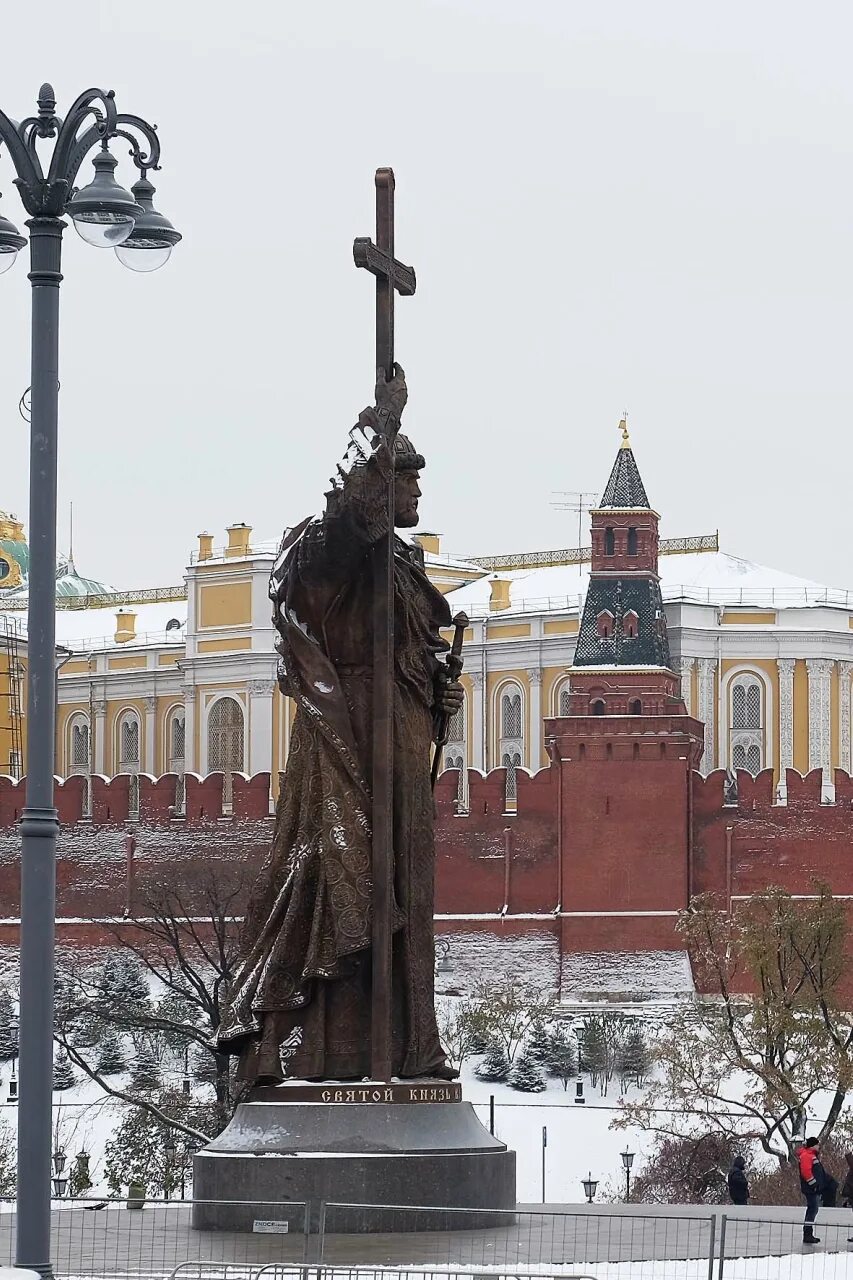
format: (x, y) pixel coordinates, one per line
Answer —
(807, 1157)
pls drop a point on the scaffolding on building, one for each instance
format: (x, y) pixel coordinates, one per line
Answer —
(11, 683)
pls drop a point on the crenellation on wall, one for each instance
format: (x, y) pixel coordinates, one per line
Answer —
(606, 847)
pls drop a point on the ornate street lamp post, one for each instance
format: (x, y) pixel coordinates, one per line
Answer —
(107, 216)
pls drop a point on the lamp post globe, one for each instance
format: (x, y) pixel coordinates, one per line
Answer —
(104, 213)
(11, 241)
(150, 243)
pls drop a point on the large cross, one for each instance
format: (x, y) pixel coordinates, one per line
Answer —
(390, 274)
(378, 258)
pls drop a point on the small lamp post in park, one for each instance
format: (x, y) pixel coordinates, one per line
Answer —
(627, 1161)
(60, 1178)
(590, 1186)
(13, 1078)
(106, 216)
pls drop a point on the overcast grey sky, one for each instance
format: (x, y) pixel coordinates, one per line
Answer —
(632, 203)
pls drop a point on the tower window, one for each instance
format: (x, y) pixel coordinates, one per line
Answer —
(635, 707)
(632, 542)
(609, 541)
(630, 624)
(604, 624)
(597, 707)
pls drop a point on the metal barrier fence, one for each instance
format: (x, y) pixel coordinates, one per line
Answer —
(515, 1242)
(108, 1240)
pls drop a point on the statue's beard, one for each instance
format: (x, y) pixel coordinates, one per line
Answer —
(406, 519)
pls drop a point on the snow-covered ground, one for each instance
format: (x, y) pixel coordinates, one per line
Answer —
(579, 1139)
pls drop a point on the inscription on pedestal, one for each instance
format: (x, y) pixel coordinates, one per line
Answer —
(367, 1092)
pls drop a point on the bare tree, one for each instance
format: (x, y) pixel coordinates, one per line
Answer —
(775, 1034)
(185, 935)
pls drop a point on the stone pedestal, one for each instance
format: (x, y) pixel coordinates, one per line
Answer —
(401, 1146)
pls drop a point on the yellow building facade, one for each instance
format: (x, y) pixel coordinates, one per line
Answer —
(183, 678)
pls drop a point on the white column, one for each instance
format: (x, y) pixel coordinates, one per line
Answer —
(260, 726)
(707, 667)
(820, 741)
(190, 761)
(534, 677)
(150, 763)
(99, 734)
(844, 672)
(785, 667)
(478, 685)
(687, 665)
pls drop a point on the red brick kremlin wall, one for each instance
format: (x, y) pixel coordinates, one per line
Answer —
(605, 865)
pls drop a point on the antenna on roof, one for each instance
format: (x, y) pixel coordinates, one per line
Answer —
(71, 537)
(581, 505)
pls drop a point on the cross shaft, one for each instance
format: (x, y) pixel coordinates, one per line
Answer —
(378, 258)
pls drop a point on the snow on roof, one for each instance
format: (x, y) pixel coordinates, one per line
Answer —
(95, 628)
(712, 577)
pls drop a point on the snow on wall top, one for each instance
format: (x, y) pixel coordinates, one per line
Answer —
(487, 956)
(708, 577)
(638, 974)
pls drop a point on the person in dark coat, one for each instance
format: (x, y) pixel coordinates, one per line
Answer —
(738, 1185)
(807, 1157)
(847, 1187)
(828, 1186)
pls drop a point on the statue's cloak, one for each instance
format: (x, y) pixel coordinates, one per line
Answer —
(304, 982)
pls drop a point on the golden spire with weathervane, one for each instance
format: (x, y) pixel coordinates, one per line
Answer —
(623, 427)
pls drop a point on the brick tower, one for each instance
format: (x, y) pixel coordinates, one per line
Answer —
(627, 747)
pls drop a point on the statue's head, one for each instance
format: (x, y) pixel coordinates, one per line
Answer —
(408, 464)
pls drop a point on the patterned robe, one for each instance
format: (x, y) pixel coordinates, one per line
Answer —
(301, 1002)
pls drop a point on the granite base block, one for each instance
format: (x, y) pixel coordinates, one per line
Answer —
(276, 1158)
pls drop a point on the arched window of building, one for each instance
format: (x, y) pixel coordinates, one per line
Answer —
(78, 751)
(511, 741)
(632, 541)
(597, 707)
(562, 698)
(456, 728)
(128, 742)
(78, 755)
(457, 761)
(176, 740)
(746, 717)
(604, 624)
(511, 714)
(635, 707)
(744, 757)
(630, 625)
(225, 735)
(511, 761)
(128, 757)
(609, 541)
(456, 756)
(176, 753)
